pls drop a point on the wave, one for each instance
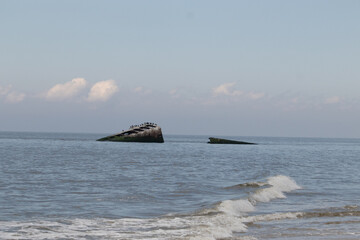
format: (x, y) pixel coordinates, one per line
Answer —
(346, 211)
(333, 212)
(191, 227)
(222, 220)
(273, 217)
(278, 186)
(247, 185)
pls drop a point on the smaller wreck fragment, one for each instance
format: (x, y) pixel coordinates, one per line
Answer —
(226, 141)
(146, 132)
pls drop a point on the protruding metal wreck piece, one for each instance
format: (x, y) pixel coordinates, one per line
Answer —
(146, 132)
(226, 141)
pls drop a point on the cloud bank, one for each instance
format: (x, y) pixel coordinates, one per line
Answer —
(226, 89)
(4, 90)
(332, 100)
(255, 95)
(80, 91)
(15, 97)
(102, 91)
(142, 90)
(11, 96)
(66, 90)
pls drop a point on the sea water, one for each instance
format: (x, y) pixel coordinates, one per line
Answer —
(69, 186)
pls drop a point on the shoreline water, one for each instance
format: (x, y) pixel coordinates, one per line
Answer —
(55, 186)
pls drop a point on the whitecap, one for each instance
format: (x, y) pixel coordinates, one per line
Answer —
(279, 184)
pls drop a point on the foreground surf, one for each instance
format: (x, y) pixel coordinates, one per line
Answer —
(224, 220)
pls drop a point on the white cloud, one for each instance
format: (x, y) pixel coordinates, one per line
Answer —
(102, 91)
(11, 96)
(332, 100)
(294, 100)
(15, 97)
(174, 93)
(4, 90)
(138, 89)
(142, 90)
(226, 89)
(255, 96)
(66, 90)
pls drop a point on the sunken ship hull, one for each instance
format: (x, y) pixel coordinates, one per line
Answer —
(226, 141)
(146, 132)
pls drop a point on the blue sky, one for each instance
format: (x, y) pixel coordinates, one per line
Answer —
(242, 68)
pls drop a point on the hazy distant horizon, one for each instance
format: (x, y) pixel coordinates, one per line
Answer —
(166, 135)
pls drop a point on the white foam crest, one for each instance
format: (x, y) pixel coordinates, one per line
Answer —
(222, 221)
(232, 212)
(267, 194)
(283, 183)
(218, 227)
(187, 227)
(236, 207)
(272, 217)
(279, 185)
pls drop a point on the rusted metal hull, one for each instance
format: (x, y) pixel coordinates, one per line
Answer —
(226, 141)
(142, 133)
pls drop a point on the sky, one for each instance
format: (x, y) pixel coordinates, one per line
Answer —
(217, 68)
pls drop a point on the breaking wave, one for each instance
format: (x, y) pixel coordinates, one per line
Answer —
(220, 221)
(345, 211)
(278, 186)
(226, 219)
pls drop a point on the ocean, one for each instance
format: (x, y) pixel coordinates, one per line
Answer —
(69, 186)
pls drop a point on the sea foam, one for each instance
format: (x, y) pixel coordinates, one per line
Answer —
(236, 207)
(278, 186)
(232, 214)
(219, 222)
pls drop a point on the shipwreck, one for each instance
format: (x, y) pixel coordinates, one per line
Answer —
(146, 132)
(226, 141)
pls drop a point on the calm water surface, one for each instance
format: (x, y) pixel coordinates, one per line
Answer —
(68, 186)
